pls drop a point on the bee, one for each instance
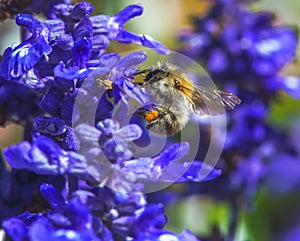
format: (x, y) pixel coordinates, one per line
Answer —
(176, 97)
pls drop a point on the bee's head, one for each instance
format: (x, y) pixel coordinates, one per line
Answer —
(156, 75)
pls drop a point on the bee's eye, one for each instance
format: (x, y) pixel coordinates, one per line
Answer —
(177, 84)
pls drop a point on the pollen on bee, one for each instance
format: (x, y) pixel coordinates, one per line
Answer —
(152, 115)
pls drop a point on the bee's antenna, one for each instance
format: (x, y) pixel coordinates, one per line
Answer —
(141, 72)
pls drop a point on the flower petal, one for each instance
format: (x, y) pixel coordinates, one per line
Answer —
(81, 10)
(49, 125)
(199, 172)
(173, 153)
(53, 197)
(128, 13)
(15, 228)
(130, 132)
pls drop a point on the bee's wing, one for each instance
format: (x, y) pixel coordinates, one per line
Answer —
(205, 101)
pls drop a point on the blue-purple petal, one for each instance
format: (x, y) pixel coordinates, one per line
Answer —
(81, 10)
(17, 155)
(53, 197)
(108, 61)
(44, 156)
(28, 22)
(132, 59)
(25, 56)
(145, 40)
(152, 216)
(116, 150)
(84, 29)
(128, 13)
(79, 214)
(171, 154)
(199, 172)
(41, 229)
(4, 64)
(81, 52)
(71, 73)
(49, 125)
(51, 101)
(15, 228)
(130, 132)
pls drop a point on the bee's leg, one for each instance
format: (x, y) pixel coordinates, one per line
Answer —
(133, 82)
(148, 114)
(149, 126)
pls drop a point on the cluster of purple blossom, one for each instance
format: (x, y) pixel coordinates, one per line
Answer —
(245, 51)
(40, 81)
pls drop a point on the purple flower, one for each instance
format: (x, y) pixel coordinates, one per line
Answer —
(112, 27)
(232, 41)
(44, 156)
(58, 78)
(50, 101)
(97, 214)
(21, 59)
(244, 52)
(70, 37)
(81, 52)
(71, 221)
(18, 190)
(168, 166)
(112, 140)
(122, 171)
